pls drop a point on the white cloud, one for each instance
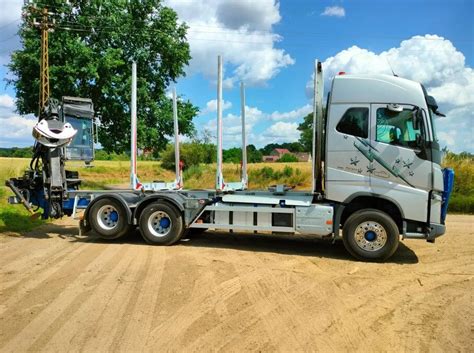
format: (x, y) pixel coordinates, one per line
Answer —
(241, 31)
(232, 124)
(10, 15)
(274, 132)
(283, 132)
(211, 106)
(16, 130)
(335, 11)
(6, 101)
(293, 114)
(431, 60)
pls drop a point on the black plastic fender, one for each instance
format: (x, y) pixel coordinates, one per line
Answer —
(116, 196)
(175, 200)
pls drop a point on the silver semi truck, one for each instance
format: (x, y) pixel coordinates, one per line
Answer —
(376, 178)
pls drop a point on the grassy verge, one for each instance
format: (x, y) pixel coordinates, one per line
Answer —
(13, 218)
(462, 200)
(261, 175)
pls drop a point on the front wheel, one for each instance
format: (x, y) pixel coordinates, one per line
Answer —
(370, 235)
(161, 224)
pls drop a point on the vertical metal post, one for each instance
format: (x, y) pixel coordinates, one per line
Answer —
(44, 72)
(244, 137)
(133, 119)
(176, 140)
(313, 152)
(219, 176)
(318, 126)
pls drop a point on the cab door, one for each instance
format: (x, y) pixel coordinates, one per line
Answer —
(397, 169)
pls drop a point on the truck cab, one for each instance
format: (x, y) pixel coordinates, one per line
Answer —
(381, 152)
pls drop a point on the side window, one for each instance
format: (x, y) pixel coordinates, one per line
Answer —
(355, 122)
(396, 128)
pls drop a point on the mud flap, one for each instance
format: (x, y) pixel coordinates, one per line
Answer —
(84, 228)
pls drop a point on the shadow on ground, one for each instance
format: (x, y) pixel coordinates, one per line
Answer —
(288, 245)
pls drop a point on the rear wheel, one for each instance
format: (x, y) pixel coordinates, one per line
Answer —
(161, 224)
(108, 218)
(370, 235)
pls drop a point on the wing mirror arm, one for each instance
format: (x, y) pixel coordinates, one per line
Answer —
(417, 118)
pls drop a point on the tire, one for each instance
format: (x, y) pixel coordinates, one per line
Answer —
(108, 218)
(370, 235)
(161, 224)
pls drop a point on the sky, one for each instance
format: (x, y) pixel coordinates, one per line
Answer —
(271, 46)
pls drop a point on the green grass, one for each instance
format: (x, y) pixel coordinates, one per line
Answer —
(14, 218)
(104, 173)
(462, 200)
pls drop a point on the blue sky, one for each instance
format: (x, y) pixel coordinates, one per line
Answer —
(271, 46)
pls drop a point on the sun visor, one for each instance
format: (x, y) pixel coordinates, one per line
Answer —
(78, 107)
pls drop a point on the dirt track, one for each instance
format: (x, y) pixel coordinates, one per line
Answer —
(61, 292)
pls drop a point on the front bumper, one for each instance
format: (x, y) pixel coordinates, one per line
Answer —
(436, 230)
(432, 232)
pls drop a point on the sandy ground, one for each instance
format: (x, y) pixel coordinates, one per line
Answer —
(61, 292)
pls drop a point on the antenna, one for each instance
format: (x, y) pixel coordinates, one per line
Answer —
(391, 69)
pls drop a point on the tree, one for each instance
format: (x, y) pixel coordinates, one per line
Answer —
(306, 128)
(232, 155)
(290, 146)
(306, 136)
(90, 55)
(191, 153)
(254, 155)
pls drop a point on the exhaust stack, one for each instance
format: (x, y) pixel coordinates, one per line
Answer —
(318, 126)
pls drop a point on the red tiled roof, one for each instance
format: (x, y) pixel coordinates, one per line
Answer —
(282, 150)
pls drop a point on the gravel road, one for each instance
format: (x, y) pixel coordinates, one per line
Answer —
(240, 292)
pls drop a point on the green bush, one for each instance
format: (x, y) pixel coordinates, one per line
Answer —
(461, 204)
(265, 173)
(462, 199)
(193, 172)
(101, 155)
(288, 158)
(287, 171)
(191, 153)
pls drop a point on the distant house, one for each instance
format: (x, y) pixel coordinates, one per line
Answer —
(280, 152)
(270, 158)
(277, 153)
(146, 152)
(303, 156)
